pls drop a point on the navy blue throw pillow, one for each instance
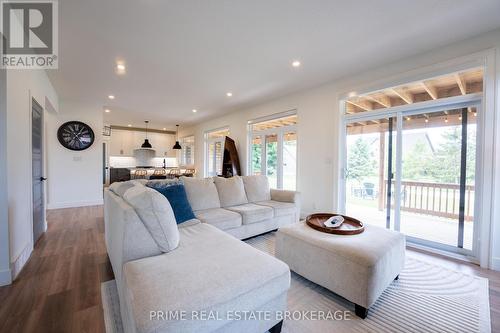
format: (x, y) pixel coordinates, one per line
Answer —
(176, 195)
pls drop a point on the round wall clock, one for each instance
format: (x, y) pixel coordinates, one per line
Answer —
(75, 135)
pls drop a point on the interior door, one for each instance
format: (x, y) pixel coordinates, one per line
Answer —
(37, 170)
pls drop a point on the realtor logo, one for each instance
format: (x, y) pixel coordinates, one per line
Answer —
(29, 34)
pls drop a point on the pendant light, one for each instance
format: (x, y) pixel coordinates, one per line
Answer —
(146, 143)
(177, 145)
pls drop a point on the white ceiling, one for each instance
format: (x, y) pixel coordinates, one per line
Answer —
(182, 55)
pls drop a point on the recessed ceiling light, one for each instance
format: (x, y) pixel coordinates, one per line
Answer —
(194, 110)
(111, 96)
(296, 63)
(129, 125)
(120, 67)
(229, 94)
(107, 110)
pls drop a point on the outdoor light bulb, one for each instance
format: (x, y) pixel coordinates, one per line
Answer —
(107, 110)
(408, 118)
(111, 96)
(475, 114)
(460, 118)
(296, 63)
(120, 67)
(426, 120)
(446, 120)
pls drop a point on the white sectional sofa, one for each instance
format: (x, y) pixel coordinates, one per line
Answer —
(242, 206)
(198, 267)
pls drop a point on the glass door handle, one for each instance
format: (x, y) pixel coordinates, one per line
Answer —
(42, 179)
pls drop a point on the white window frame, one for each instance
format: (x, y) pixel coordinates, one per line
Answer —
(486, 152)
(208, 141)
(182, 159)
(279, 131)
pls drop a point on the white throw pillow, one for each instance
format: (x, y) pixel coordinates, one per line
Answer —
(231, 191)
(155, 212)
(257, 188)
(201, 193)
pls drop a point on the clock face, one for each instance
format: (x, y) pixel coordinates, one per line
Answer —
(75, 135)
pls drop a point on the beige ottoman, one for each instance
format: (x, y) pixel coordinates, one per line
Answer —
(357, 267)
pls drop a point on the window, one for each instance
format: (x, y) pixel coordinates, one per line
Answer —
(187, 152)
(410, 166)
(214, 151)
(273, 149)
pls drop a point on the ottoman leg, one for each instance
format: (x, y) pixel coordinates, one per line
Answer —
(276, 328)
(360, 311)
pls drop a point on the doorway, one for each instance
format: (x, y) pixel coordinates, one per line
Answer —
(37, 170)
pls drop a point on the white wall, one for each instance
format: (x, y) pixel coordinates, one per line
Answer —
(5, 273)
(74, 177)
(318, 127)
(22, 85)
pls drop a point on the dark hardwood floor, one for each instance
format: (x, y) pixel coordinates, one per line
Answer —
(59, 288)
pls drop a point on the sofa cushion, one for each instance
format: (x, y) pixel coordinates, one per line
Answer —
(119, 188)
(231, 191)
(176, 196)
(210, 271)
(280, 208)
(155, 212)
(219, 217)
(201, 193)
(252, 213)
(257, 188)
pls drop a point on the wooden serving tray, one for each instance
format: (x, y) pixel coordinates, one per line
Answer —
(351, 226)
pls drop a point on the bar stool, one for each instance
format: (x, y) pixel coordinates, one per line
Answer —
(140, 173)
(159, 174)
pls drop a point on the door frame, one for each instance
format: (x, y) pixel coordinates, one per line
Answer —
(33, 99)
(279, 132)
(399, 112)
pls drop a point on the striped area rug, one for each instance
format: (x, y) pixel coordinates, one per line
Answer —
(426, 298)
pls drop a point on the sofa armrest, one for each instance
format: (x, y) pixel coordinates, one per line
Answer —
(285, 196)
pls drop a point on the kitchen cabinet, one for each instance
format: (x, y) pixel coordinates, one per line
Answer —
(123, 143)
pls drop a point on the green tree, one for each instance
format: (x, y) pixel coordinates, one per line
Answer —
(419, 163)
(360, 161)
(272, 157)
(256, 158)
(448, 156)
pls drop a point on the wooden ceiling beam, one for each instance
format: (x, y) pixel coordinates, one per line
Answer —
(404, 95)
(364, 105)
(385, 101)
(462, 85)
(431, 90)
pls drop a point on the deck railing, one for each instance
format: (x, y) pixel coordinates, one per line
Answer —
(436, 199)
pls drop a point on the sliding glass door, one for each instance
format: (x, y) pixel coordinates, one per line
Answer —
(370, 161)
(414, 172)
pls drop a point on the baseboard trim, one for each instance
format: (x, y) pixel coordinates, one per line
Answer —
(21, 260)
(495, 264)
(59, 205)
(5, 277)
